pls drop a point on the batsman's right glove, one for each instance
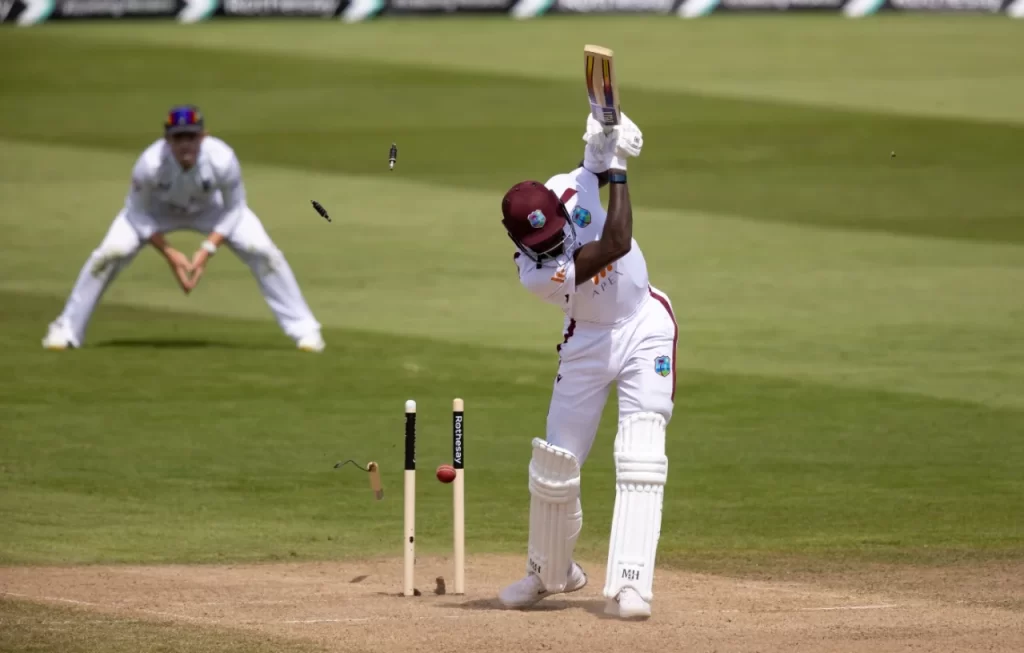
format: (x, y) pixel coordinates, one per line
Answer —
(611, 150)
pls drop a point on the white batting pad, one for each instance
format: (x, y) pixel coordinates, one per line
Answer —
(555, 517)
(641, 470)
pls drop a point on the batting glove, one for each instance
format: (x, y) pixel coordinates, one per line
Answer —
(630, 138)
(600, 146)
(611, 150)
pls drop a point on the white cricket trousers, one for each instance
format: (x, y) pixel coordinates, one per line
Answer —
(637, 356)
(249, 241)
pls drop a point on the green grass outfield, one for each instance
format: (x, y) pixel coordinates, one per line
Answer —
(851, 351)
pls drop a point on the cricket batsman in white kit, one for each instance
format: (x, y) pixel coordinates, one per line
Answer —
(193, 181)
(618, 330)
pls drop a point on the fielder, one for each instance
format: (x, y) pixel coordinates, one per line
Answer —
(193, 181)
(618, 330)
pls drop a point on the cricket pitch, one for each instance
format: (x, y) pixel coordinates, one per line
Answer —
(355, 606)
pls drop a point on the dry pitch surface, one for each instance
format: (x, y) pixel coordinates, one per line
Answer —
(355, 606)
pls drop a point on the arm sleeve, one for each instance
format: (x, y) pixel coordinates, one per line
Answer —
(232, 189)
(139, 203)
(555, 285)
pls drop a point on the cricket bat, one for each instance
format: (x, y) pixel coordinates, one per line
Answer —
(601, 86)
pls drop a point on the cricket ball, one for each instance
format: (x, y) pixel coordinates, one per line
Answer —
(446, 473)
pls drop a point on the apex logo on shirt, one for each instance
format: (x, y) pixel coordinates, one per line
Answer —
(605, 280)
(602, 274)
(559, 275)
(581, 217)
(663, 365)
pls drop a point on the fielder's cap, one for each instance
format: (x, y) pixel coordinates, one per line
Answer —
(532, 213)
(184, 118)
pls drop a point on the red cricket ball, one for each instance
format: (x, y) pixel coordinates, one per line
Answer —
(446, 473)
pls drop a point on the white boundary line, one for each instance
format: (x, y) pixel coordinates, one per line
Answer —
(52, 598)
(791, 590)
(59, 599)
(359, 620)
(880, 606)
(356, 620)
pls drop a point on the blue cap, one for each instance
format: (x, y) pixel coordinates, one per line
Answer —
(184, 118)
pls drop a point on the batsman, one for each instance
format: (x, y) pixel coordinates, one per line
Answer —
(618, 330)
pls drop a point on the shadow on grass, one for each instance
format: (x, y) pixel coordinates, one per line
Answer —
(181, 343)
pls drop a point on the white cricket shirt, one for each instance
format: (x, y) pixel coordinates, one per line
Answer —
(162, 191)
(616, 292)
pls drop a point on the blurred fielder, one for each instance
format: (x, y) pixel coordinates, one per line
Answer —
(618, 330)
(187, 180)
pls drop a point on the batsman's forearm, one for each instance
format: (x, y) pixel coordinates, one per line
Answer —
(618, 227)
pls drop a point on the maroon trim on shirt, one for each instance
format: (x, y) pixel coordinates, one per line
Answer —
(568, 334)
(675, 335)
(567, 195)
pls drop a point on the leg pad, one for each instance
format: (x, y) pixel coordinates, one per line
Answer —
(641, 471)
(555, 516)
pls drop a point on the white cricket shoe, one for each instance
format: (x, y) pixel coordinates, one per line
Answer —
(58, 337)
(312, 342)
(530, 590)
(628, 605)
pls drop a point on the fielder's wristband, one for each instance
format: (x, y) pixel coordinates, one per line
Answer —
(617, 178)
(209, 247)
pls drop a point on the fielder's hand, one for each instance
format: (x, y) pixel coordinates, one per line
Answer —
(198, 264)
(181, 267)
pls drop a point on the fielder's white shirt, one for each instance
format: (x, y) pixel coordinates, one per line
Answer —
(612, 296)
(162, 192)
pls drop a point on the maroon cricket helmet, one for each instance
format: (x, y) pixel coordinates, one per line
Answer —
(534, 216)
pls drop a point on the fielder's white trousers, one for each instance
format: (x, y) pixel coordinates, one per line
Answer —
(249, 241)
(637, 356)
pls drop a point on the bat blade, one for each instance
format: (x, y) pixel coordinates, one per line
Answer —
(602, 87)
